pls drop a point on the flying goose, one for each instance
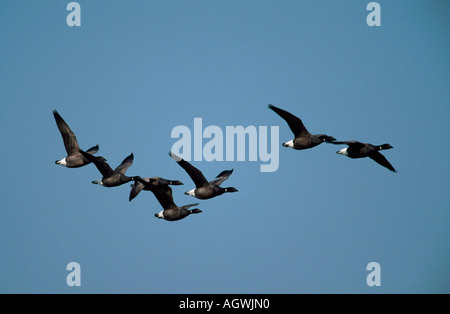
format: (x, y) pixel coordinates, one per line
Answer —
(171, 211)
(74, 158)
(357, 149)
(137, 186)
(203, 188)
(303, 139)
(111, 177)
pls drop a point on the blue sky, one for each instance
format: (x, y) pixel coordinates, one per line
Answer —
(135, 70)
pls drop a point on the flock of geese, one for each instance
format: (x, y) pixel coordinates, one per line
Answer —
(204, 189)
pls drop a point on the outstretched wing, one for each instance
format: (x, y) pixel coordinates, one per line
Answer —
(195, 174)
(380, 159)
(93, 150)
(136, 188)
(126, 163)
(100, 163)
(295, 123)
(163, 198)
(69, 138)
(222, 177)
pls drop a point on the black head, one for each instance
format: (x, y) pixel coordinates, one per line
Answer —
(326, 138)
(231, 190)
(195, 211)
(386, 146)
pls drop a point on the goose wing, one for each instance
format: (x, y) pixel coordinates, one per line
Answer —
(163, 198)
(93, 150)
(222, 177)
(295, 123)
(126, 163)
(136, 188)
(69, 138)
(100, 163)
(195, 174)
(380, 159)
